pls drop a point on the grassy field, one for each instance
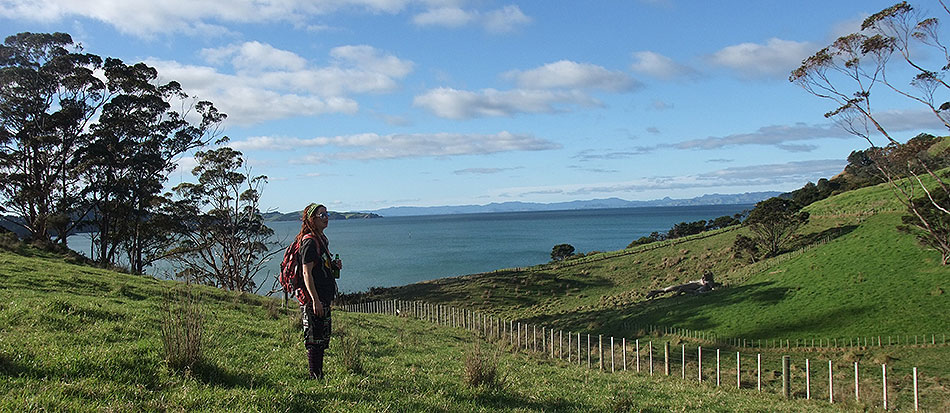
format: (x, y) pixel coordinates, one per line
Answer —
(74, 338)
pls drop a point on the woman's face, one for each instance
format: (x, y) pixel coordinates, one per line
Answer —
(321, 218)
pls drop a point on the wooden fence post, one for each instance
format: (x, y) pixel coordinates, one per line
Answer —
(588, 351)
(717, 367)
(738, 371)
(884, 380)
(684, 361)
(638, 355)
(699, 362)
(831, 383)
(916, 399)
(624, 353)
(650, 348)
(666, 358)
(612, 358)
(857, 395)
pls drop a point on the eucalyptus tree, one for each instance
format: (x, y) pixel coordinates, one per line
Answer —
(48, 94)
(854, 66)
(142, 131)
(223, 240)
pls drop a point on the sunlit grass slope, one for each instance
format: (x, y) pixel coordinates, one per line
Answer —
(74, 338)
(850, 273)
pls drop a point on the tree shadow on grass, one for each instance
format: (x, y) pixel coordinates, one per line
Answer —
(211, 373)
(690, 312)
(824, 236)
(516, 288)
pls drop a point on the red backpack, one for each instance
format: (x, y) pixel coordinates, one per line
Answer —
(291, 272)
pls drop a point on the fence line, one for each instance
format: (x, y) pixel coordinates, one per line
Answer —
(494, 328)
(799, 344)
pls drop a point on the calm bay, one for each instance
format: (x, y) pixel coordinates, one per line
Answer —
(395, 251)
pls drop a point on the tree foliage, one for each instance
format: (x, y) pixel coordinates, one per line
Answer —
(222, 239)
(934, 229)
(135, 144)
(89, 142)
(562, 251)
(48, 95)
(773, 223)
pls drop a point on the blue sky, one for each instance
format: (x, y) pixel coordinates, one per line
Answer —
(366, 104)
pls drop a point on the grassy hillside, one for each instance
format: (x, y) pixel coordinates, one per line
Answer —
(74, 338)
(850, 275)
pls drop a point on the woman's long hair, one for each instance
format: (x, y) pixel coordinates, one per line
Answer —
(307, 221)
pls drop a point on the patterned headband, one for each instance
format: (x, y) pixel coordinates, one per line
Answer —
(313, 207)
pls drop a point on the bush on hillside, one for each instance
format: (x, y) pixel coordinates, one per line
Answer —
(481, 368)
(182, 329)
(562, 251)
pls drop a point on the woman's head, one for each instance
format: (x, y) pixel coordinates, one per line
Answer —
(313, 220)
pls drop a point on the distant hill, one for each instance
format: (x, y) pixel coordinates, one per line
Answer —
(295, 216)
(709, 199)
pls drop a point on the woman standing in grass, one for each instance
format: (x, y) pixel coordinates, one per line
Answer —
(319, 285)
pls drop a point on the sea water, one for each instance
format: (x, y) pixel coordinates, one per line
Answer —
(393, 251)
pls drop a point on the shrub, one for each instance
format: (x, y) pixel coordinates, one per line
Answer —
(182, 329)
(562, 251)
(481, 368)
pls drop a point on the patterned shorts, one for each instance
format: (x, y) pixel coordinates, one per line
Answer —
(316, 330)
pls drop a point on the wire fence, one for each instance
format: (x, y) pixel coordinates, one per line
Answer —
(821, 378)
(799, 344)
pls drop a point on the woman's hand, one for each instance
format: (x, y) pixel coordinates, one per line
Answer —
(317, 308)
(338, 263)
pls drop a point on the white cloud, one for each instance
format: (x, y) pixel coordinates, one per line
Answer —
(370, 146)
(661, 67)
(776, 58)
(506, 19)
(255, 56)
(768, 135)
(769, 176)
(461, 104)
(503, 20)
(286, 85)
(485, 171)
(148, 17)
(451, 17)
(572, 75)
(370, 59)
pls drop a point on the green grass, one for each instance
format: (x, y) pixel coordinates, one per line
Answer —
(74, 338)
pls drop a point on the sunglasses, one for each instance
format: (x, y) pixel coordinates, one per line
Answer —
(313, 208)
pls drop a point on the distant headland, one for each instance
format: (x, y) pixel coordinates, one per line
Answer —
(295, 216)
(747, 198)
